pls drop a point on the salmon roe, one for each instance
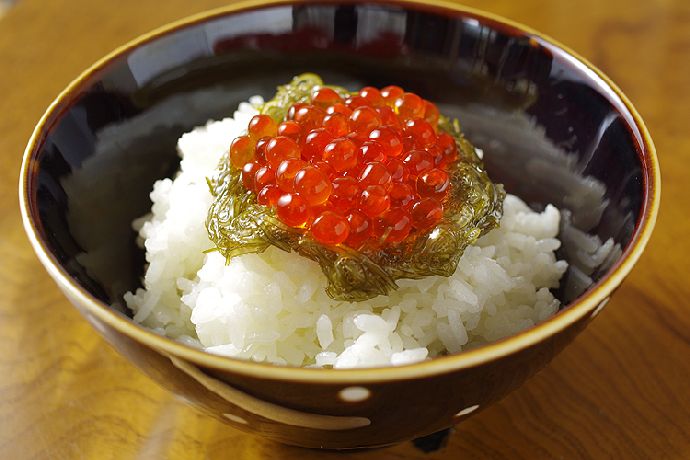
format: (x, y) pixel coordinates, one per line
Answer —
(364, 170)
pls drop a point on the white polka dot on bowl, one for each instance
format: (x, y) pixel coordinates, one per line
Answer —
(354, 394)
(467, 410)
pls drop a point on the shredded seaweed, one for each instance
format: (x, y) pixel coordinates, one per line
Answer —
(237, 224)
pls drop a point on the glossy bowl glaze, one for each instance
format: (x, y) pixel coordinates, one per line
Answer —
(554, 130)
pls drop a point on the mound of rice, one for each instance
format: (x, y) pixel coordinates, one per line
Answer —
(272, 306)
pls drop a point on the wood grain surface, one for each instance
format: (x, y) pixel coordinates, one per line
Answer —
(621, 390)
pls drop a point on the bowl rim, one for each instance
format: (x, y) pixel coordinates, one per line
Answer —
(585, 304)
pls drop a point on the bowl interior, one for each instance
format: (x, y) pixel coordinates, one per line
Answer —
(551, 130)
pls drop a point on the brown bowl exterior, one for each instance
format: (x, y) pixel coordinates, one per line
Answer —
(337, 409)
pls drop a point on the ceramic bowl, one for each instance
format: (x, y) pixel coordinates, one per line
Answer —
(554, 130)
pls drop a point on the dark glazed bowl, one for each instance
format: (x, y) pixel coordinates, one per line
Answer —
(554, 130)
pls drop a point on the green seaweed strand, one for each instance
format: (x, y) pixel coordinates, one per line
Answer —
(237, 224)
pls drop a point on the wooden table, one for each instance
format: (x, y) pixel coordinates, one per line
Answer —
(621, 390)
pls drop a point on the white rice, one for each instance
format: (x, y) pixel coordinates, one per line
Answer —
(272, 306)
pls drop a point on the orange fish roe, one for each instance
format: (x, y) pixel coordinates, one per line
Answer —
(368, 170)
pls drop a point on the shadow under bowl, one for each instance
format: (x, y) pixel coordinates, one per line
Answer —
(554, 130)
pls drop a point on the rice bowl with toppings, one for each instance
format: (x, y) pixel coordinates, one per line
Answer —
(273, 306)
